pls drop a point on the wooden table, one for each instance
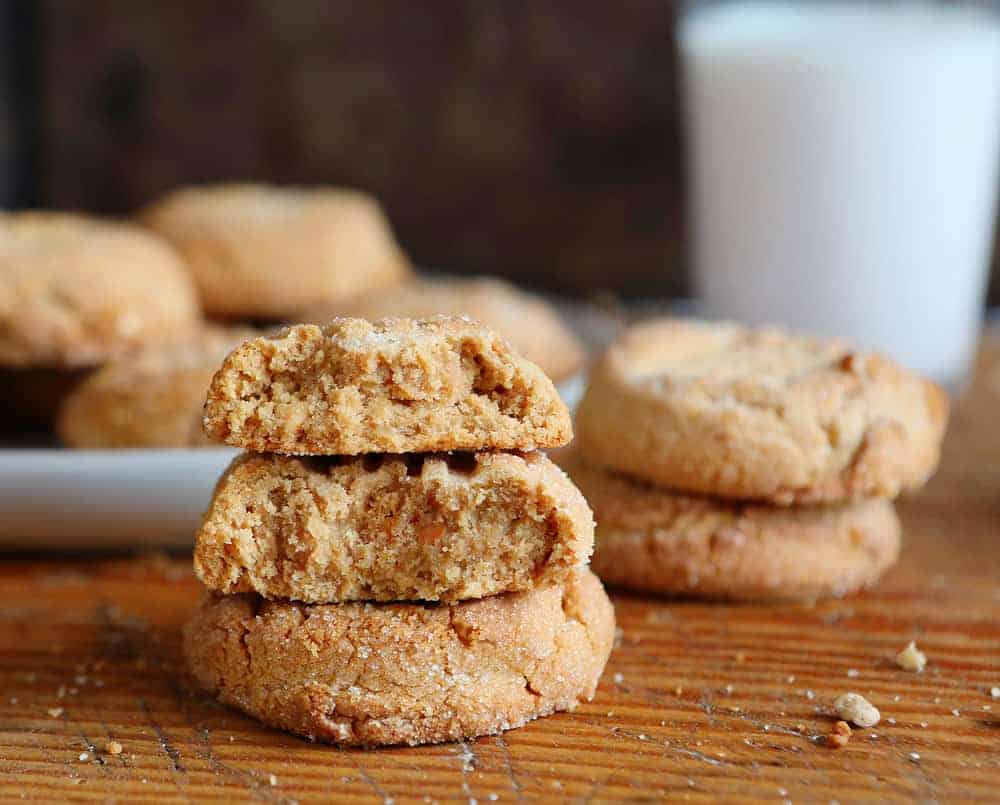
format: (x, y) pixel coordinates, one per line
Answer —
(699, 702)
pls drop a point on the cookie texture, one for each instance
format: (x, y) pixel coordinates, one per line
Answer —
(392, 386)
(77, 291)
(528, 322)
(151, 398)
(442, 527)
(265, 252)
(377, 674)
(721, 410)
(654, 540)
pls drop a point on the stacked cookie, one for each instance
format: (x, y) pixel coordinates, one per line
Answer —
(76, 292)
(726, 462)
(394, 561)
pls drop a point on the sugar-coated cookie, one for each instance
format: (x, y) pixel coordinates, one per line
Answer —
(658, 541)
(443, 527)
(76, 291)
(392, 386)
(528, 322)
(720, 410)
(377, 674)
(152, 398)
(265, 252)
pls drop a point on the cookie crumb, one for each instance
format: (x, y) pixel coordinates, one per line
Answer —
(84, 757)
(914, 756)
(55, 712)
(853, 673)
(740, 656)
(911, 658)
(272, 779)
(995, 691)
(857, 709)
(618, 679)
(810, 695)
(840, 735)
(113, 748)
(955, 713)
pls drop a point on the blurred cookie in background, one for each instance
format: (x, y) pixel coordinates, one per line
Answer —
(153, 398)
(76, 291)
(528, 322)
(263, 252)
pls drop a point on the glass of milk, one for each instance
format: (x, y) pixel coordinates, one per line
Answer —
(843, 166)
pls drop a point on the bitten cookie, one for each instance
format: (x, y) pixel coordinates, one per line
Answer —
(153, 398)
(720, 410)
(265, 252)
(392, 528)
(393, 386)
(657, 541)
(375, 674)
(77, 291)
(528, 322)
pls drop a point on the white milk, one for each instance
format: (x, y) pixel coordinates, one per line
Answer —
(844, 170)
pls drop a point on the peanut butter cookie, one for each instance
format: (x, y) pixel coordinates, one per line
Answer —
(265, 252)
(384, 528)
(654, 540)
(393, 386)
(720, 410)
(528, 322)
(376, 674)
(152, 398)
(76, 291)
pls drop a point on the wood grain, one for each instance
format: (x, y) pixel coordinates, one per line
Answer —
(700, 702)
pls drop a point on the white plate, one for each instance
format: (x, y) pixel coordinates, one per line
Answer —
(52, 498)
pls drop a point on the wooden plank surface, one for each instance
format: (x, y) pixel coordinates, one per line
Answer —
(699, 702)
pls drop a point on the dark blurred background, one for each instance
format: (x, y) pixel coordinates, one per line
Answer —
(536, 140)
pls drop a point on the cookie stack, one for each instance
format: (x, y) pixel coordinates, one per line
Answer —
(726, 462)
(394, 561)
(76, 292)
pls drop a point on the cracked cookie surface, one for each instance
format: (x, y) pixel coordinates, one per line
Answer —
(721, 410)
(382, 674)
(150, 398)
(392, 386)
(528, 322)
(265, 252)
(392, 528)
(76, 291)
(654, 540)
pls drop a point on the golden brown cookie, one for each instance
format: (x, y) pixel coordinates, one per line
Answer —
(76, 291)
(721, 410)
(376, 674)
(654, 540)
(152, 398)
(265, 252)
(528, 322)
(444, 527)
(393, 386)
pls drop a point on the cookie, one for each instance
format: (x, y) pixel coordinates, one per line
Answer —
(152, 398)
(392, 386)
(657, 541)
(720, 410)
(264, 252)
(441, 527)
(77, 291)
(377, 674)
(528, 322)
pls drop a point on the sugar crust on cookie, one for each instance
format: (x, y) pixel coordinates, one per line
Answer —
(721, 410)
(383, 674)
